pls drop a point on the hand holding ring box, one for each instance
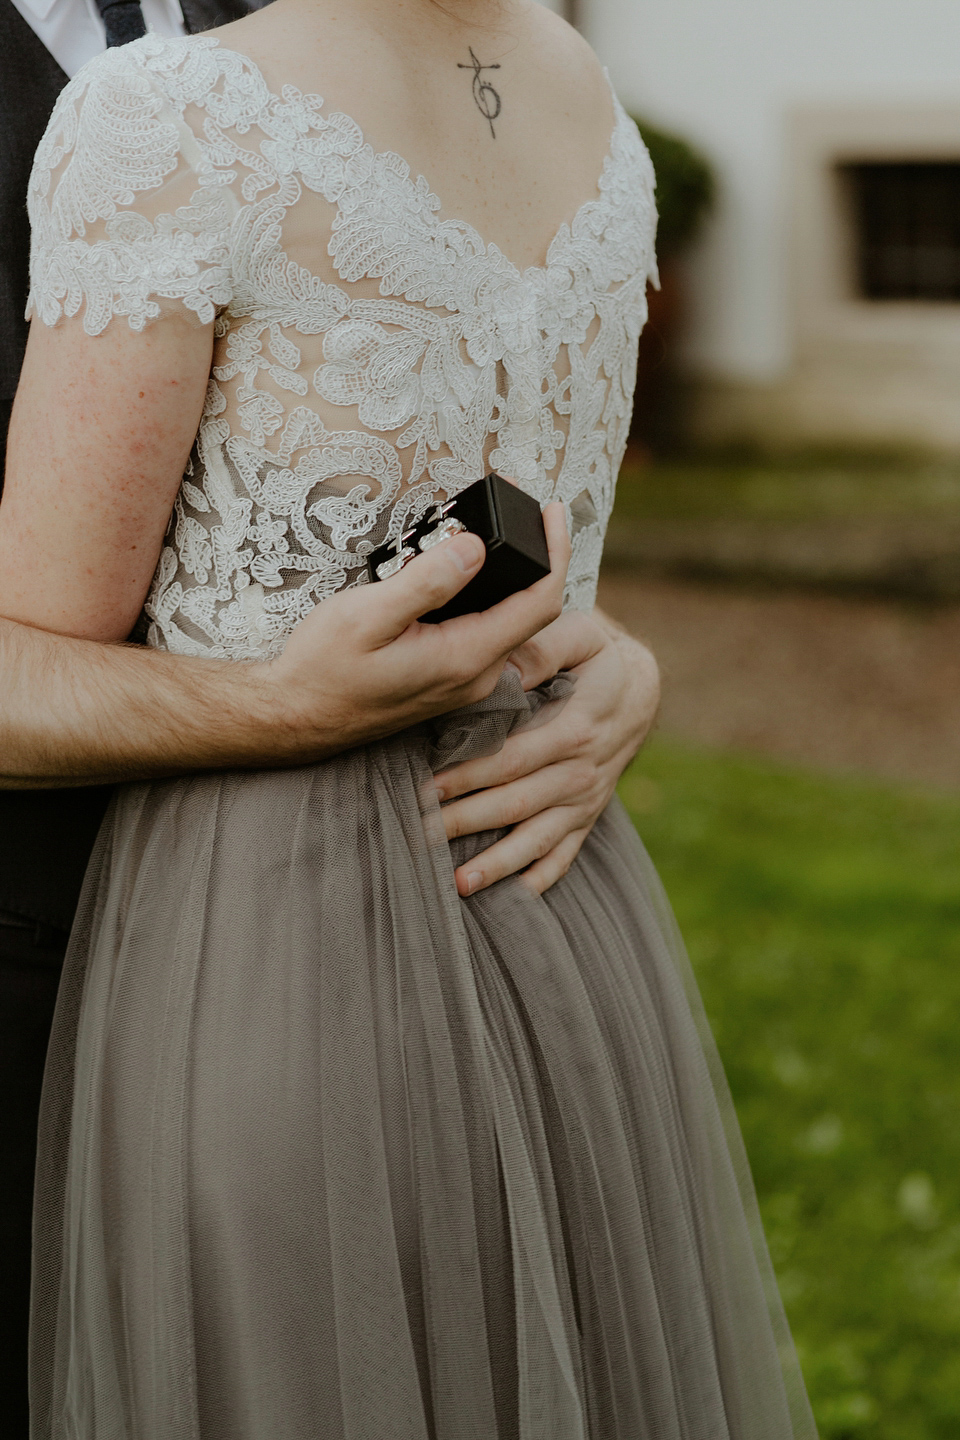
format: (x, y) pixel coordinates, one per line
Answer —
(508, 522)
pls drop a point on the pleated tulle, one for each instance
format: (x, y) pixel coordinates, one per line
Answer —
(329, 1153)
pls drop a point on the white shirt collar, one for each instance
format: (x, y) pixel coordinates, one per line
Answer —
(40, 8)
(72, 30)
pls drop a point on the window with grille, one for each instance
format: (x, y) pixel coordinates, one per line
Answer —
(906, 219)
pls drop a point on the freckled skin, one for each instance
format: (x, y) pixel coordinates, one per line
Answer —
(100, 484)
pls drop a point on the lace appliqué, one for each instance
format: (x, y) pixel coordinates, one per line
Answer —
(453, 361)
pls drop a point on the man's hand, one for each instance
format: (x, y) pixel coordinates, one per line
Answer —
(552, 782)
(361, 666)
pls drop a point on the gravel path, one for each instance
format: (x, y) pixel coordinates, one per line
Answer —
(847, 685)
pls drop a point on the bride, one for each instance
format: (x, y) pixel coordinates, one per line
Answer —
(350, 1129)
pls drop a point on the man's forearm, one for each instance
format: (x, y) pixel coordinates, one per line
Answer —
(74, 712)
(356, 669)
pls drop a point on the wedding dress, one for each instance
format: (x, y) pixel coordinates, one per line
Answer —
(328, 1152)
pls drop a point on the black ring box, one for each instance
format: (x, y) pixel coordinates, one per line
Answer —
(508, 522)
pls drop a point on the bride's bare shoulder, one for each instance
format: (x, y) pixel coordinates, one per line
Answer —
(563, 46)
(567, 69)
(371, 57)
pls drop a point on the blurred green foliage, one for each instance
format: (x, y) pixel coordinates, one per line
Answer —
(822, 917)
(685, 188)
(799, 486)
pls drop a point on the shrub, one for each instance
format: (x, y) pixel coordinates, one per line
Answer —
(686, 188)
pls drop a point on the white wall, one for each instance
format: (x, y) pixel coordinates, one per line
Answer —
(728, 73)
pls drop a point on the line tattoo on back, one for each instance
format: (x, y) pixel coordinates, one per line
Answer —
(487, 98)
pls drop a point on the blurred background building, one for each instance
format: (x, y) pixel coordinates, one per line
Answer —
(823, 300)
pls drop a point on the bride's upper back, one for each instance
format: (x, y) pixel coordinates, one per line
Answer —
(499, 104)
(421, 267)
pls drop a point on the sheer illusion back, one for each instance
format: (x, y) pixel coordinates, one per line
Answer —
(371, 356)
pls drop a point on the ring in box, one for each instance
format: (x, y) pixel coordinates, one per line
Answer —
(508, 522)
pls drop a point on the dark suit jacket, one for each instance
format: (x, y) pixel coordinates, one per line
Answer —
(45, 836)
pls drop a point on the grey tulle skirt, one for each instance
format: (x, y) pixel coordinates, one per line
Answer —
(329, 1153)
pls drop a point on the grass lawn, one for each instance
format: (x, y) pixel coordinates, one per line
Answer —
(823, 920)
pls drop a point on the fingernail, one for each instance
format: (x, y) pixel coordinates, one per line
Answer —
(474, 880)
(441, 793)
(465, 551)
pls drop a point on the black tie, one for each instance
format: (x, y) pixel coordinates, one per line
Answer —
(122, 20)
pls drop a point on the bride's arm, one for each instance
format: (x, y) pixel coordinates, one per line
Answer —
(99, 437)
(98, 441)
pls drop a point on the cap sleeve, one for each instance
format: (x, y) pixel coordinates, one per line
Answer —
(129, 216)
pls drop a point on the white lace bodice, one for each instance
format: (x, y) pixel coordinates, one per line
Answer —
(370, 356)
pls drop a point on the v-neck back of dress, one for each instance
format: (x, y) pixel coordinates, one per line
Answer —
(371, 354)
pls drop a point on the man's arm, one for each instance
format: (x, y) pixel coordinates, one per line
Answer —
(359, 667)
(75, 712)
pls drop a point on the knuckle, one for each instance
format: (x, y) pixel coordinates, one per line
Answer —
(514, 809)
(652, 678)
(580, 735)
(583, 777)
(469, 691)
(433, 592)
(479, 687)
(460, 673)
(460, 676)
(599, 801)
(433, 576)
(535, 654)
(354, 618)
(511, 766)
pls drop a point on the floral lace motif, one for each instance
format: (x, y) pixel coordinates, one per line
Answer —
(169, 177)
